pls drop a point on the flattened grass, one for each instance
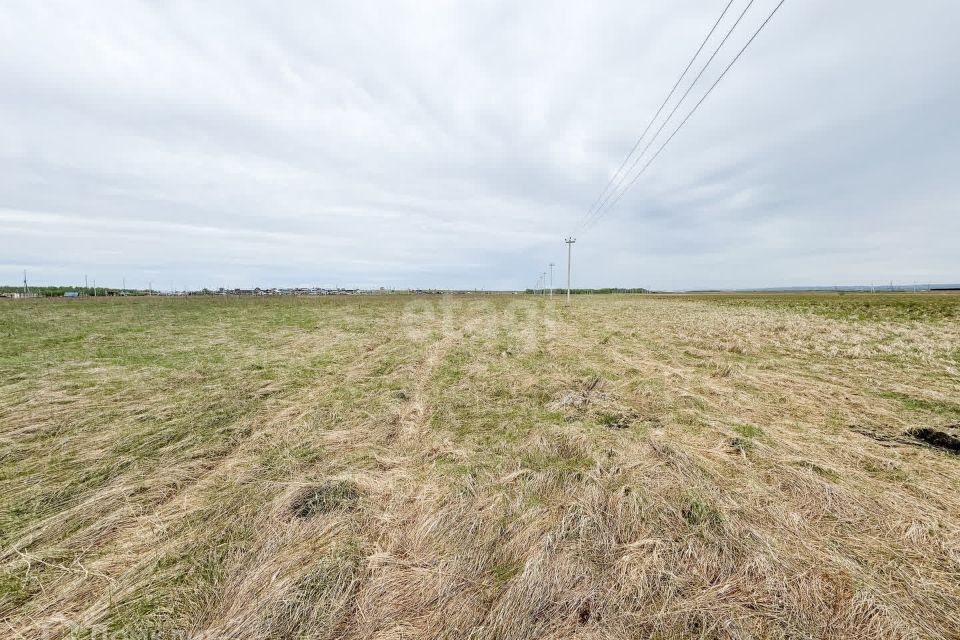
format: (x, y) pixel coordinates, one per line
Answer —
(486, 466)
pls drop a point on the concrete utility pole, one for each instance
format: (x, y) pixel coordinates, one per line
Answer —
(86, 286)
(569, 242)
(25, 289)
(544, 276)
(551, 281)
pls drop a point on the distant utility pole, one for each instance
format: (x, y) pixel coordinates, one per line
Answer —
(25, 289)
(569, 242)
(544, 276)
(149, 288)
(86, 286)
(551, 281)
(124, 284)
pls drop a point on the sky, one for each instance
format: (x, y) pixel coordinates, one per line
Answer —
(456, 144)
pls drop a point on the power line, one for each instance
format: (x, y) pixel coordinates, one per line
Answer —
(673, 111)
(636, 144)
(692, 111)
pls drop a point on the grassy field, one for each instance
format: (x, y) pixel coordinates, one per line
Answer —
(717, 466)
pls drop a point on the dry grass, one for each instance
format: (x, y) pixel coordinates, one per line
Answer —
(490, 467)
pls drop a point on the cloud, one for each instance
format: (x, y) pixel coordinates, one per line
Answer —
(441, 144)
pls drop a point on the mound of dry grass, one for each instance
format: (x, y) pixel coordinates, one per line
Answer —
(483, 467)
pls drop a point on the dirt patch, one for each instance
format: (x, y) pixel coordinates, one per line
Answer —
(886, 439)
(590, 391)
(342, 495)
(946, 438)
(586, 613)
(571, 400)
(938, 438)
(589, 400)
(741, 445)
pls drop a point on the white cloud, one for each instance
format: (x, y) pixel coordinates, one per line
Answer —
(446, 144)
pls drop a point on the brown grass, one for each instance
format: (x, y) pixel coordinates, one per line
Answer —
(478, 467)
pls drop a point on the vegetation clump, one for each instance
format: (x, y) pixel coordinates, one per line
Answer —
(698, 511)
(341, 495)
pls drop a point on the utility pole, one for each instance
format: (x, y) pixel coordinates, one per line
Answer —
(544, 277)
(569, 242)
(86, 286)
(551, 281)
(149, 288)
(25, 289)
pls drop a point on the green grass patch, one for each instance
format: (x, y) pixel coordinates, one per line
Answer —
(698, 511)
(823, 472)
(939, 407)
(503, 572)
(16, 588)
(748, 430)
(849, 307)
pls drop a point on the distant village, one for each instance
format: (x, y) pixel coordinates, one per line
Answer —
(80, 292)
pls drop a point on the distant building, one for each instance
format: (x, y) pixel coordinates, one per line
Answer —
(71, 294)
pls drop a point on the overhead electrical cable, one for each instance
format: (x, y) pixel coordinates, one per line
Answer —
(616, 176)
(673, 111)
(689, 115)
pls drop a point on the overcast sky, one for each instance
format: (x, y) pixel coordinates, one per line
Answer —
(455, 144)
